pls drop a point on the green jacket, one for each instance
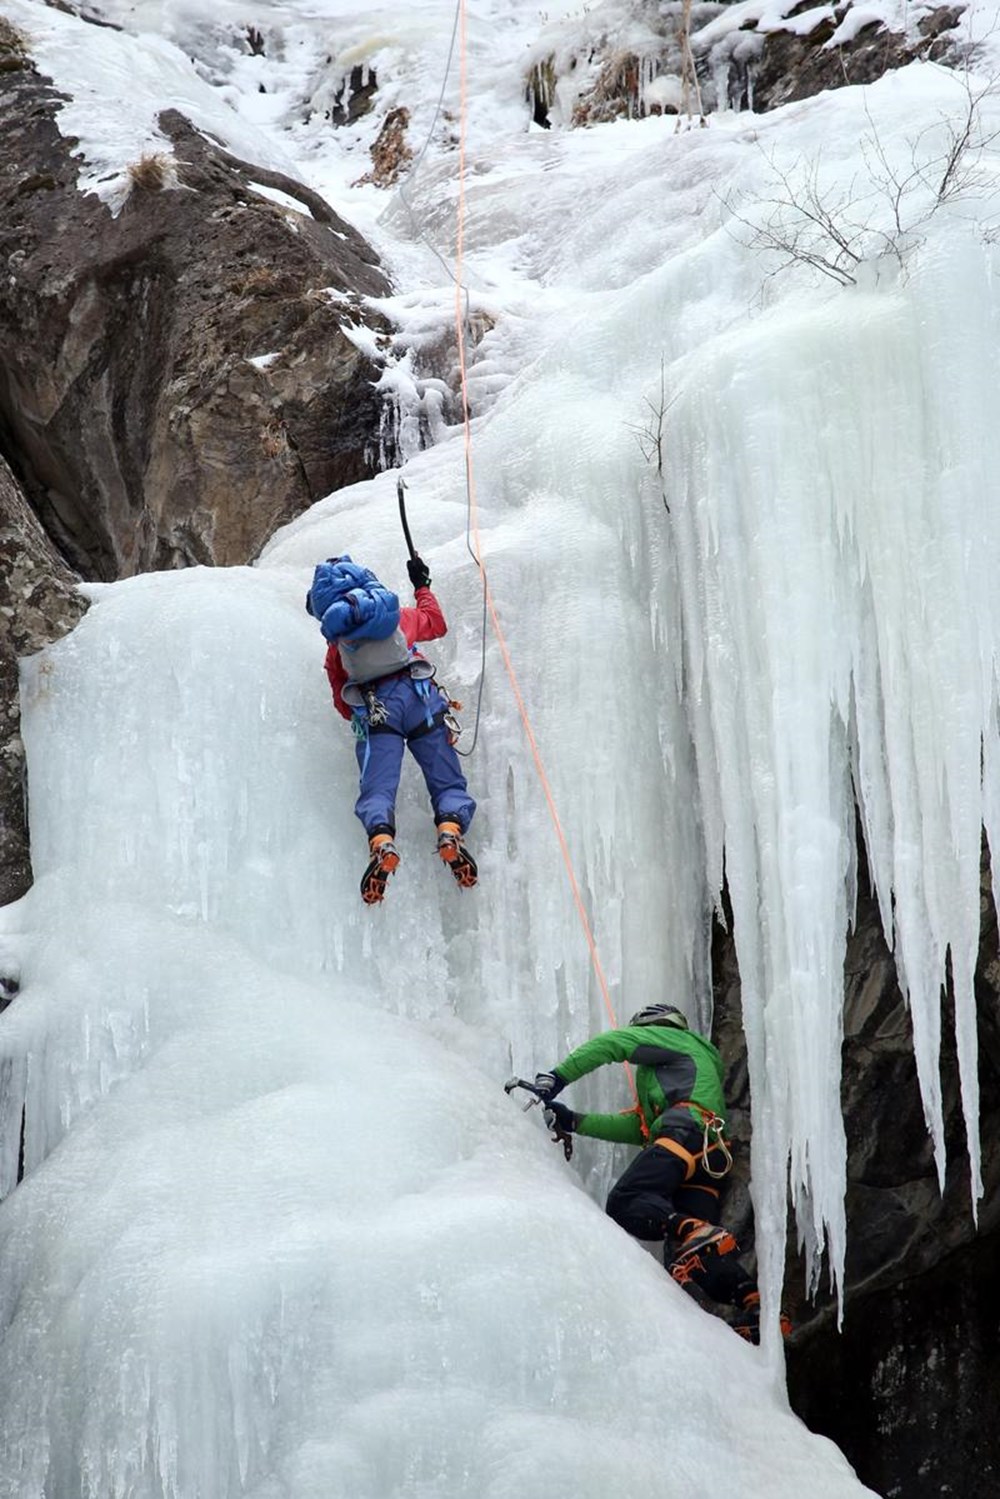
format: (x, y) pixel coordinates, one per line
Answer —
(671, 1065)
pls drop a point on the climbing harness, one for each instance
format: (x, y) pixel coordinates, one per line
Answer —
(422, 687)
(359, 728)
(451, 723)
(368, 719)
(375, 708)
(371, 716)
(712, 1125)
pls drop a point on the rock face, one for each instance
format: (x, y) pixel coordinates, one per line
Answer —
(908, 1388)
(790, 65)
(175, 382)
(37, 605)
(760, 66)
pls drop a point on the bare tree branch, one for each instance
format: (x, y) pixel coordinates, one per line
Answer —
(650, 436)
(835, 231)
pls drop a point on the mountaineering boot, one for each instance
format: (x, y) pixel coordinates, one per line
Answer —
(747, 1324)
(698, 1242)
(455, 854)
(384, 859)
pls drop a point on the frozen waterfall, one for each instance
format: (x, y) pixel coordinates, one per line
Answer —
(280, 1231)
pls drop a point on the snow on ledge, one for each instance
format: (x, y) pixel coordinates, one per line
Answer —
(116, 86)
(773, 15)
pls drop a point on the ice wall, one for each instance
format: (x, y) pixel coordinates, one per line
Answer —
(281, 1233)
(823, 627)
(832, 468)
(844, 637)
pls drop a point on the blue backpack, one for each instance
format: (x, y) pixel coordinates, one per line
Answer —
(350, 602)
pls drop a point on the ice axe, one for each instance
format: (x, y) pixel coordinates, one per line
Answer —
(558, 1135)
(400, 487)
(520, 1082)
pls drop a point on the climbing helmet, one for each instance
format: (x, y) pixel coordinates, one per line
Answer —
(660, 1015)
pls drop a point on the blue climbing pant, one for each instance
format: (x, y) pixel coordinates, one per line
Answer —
(414, 717)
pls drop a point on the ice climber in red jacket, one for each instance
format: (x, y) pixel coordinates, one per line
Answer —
(386, 687)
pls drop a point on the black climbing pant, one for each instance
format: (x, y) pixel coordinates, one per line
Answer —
(669, 1181)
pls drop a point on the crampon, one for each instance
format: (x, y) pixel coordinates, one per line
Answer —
(453, 852)
(747, 1324)
(699, 1242)
(384, 860)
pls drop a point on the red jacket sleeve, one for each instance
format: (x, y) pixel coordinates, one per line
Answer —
(425, 622)
(337, 677)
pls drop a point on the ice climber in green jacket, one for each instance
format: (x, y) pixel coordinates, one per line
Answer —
(671, 1191)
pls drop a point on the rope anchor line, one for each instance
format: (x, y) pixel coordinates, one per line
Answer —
(473, 538)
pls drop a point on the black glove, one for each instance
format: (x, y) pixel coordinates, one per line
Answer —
(558, 1116)
(419, 572)
(548, 1084)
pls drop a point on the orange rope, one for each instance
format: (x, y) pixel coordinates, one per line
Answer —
(470, 480)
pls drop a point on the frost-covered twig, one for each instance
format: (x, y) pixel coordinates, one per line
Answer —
(803, 225)
(650, 434)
